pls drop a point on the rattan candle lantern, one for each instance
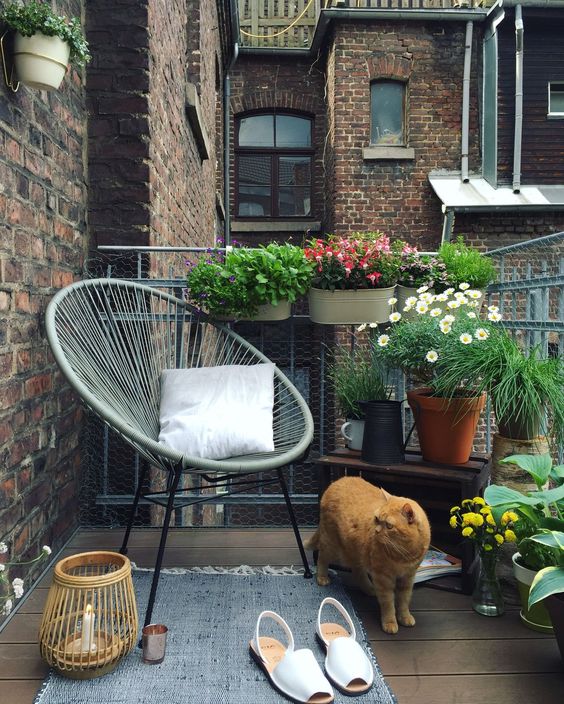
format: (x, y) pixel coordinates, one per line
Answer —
(90, 619)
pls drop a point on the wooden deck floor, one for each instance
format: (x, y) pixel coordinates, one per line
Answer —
(453, 655)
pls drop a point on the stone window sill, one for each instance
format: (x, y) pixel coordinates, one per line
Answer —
(195, 118)
(389, 153)
(275, 225)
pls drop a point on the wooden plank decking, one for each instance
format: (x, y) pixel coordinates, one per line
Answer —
(452, 656)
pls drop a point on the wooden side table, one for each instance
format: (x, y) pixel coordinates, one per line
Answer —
(436, 487)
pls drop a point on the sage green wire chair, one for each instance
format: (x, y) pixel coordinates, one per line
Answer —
(113, 338)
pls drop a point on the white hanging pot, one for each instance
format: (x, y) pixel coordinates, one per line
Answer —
(40, 61)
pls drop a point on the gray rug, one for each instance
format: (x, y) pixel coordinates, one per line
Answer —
(211, 618)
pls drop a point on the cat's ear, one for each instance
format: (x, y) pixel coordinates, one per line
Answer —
(407, 511)
(386, 495)
(377, 524)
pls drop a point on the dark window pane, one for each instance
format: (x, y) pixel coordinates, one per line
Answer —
(256, 131)
(557, 98)
(254, 201)
(292, 131)
(387, 112)
(294, 171)
(255, 170)
(294, 200)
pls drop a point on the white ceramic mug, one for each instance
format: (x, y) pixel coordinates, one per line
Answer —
(353, 432)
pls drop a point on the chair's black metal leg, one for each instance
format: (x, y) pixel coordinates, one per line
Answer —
(164, 533)
(133, 510)
(307, 571)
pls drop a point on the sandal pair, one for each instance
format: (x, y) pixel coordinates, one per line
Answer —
(296, 673)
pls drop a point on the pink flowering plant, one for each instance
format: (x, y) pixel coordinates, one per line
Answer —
(416, 269)
(363, 261)
(14, 589)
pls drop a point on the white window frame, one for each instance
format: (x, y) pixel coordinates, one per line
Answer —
(560, 84)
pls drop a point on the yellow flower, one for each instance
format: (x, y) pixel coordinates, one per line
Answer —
(490, 520)
(478, 500)
(505, 518)
(453, 522)
(465, 502)
(490, 530)
(487, 548)
(467, 519)
(468, 532)
(486, 510)
(478, 520)
(510, 536)
(499, 539)
(454, 509)
(513, 516)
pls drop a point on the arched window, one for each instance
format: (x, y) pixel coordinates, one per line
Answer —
(273, 165)
(387, 113)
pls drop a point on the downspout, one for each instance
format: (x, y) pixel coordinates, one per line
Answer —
(466, 101)
(227, 145)
(519, 32)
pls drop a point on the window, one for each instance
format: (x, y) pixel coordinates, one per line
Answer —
(556, 99)
(274, 165)
(387, 113)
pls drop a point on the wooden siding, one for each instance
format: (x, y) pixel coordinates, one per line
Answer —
(452, 656)
(543, 138)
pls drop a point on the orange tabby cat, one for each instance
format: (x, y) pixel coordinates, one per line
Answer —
(382, 538)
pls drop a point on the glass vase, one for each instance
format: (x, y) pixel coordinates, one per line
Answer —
(487, 598)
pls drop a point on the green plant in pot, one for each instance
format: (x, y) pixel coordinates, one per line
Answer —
(539, 510)
(356, 377)
(249, 282)
(44, 43)
(466, 264)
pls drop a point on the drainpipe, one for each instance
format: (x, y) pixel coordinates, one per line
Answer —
(227, 145)
(466, 101)
(448, 224)
(519, 31)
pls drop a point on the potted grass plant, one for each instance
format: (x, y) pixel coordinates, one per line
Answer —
(44, 43)
(354, 278)
(466, 264)
(244, 283)
(539, 511)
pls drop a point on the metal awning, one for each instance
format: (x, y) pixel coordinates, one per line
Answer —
(478, 195)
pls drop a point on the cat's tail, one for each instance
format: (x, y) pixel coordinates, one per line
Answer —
(313, 542)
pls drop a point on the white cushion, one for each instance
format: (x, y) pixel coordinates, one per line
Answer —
(218, 412)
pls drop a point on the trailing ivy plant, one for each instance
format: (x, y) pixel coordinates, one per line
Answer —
(38, 16)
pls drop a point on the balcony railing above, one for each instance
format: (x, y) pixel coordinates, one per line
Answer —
(290, 24)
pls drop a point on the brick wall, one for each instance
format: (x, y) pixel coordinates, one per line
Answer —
(42, 244)
(394, 195)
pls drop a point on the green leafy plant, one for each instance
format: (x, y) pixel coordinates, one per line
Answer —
(37, 17)
(549, 580)
(466, 264)
(539, 510)
(362, 261)
(357, 377)
(238, 282)
(416, 269)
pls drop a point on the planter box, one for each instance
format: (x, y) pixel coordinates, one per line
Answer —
(350, 307)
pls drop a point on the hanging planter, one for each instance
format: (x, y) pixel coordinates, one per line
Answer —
(265, 313)
(446, 427)
(350, 307)
(40, 61)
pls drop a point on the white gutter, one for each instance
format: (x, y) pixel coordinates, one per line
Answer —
(519, 32)
(549, 4)
(466, 101)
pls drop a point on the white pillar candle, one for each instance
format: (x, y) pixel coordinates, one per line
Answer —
(87, 640)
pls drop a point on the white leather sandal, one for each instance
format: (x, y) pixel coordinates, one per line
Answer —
(346, 663)
(294, 673)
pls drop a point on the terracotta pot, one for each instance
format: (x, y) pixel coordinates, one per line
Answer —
(555, 606)
(446, 428)
(536, 618)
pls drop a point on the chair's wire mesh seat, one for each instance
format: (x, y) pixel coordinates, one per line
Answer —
(112, 339)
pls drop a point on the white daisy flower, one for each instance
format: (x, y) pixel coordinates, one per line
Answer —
(462, 300)
(453, 304)
(431, 356)
(392, 301)
(17, 586)
(459, 294)
(465, 338)
(474, 294)
(481, 334)
(448, 319)
(422, 289)
(473, 304)
(471, 314)
(494, 317)
(2, 568)
(383, 340)
(46, 549)
(464, 286)
(3, 548)
(449, 291)
(435, 312)
(411, 301)
(394, 317)
(373, 325)
(361, 328)
(493, 309)
(8, 607)
(446, 328)
(442, 297)
(421, 307)
(407, 309)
